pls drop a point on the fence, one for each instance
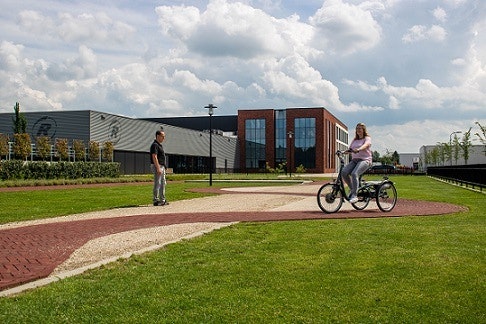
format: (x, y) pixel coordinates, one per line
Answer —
(53, 154)
(473, 176)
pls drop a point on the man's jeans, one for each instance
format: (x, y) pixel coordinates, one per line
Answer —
(351, 173)
(159, 184)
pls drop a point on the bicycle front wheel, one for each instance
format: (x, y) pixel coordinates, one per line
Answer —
(386, 196)
(329, 198)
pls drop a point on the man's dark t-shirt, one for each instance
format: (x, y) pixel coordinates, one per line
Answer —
(156, 148)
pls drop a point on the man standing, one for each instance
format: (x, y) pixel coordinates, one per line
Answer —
(158, 165)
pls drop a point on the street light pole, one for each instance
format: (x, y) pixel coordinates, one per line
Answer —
(290, 134)
(450, 141)
(210, 108)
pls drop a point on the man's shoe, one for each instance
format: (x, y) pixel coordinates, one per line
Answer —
(165, 202)
(157, 203)
(353, 200)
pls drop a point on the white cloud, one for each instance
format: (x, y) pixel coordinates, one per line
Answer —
(344, 28)
(420, 33)
(91, 28)
(440, 14)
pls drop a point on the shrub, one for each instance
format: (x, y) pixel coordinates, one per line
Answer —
(3, 145)
(11, 170)
(79, 150)
(108, 151)
(94, 151)
(62, 148)
(16, 169)
(43, 146)
(300, 169)
(22, 145)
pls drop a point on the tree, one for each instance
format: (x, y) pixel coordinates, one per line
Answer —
(79, 150)
(3, 145)
(376, 156)
(441, 152)
(19, 121)
(22, 145)
(482, 137)
(395, 158)
(466, 145)
(62, 148)
(94, 151)
(108, 151)
(456, 146)
(43, 146)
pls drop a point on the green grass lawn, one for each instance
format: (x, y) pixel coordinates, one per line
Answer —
(390, 270)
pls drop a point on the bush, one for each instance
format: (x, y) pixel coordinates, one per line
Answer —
(94, 151)
(79, 150)
(43, 147)
(108, 149)
(16, 170)
(21, 147)
(11, 170)
(3, 145)
(62, 148)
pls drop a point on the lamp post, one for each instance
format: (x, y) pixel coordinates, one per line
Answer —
(450, 141)
(290, 134)
(210, 108)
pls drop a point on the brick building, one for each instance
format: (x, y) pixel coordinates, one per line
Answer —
(295, 136)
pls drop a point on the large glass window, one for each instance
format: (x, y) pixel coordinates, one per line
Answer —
(255, 143)
(305, 142)
(280, 137)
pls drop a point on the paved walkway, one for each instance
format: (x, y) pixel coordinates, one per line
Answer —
(30, 251)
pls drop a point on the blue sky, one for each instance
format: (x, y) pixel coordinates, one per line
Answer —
(413, 71)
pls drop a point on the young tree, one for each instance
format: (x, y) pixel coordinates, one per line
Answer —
(482, 137)
(108, 151)
(466, 145)
(376, 156)
(456, 148)
(62, 148)
(94, 151)
(79, 150)
(395, 158)
(3, 145)
(19, 121)
(22, 147)
(43, 146)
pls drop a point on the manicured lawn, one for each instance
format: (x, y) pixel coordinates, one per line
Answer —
(389, 270)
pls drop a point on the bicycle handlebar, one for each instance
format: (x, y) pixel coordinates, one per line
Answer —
(339, 152)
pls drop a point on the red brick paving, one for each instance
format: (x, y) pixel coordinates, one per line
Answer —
(33, 252)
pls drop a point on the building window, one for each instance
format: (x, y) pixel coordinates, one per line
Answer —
(305, 142)
(255, 143)
(280, 137)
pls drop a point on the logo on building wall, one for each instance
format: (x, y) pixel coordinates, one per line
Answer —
(114, 131)
(45, 126)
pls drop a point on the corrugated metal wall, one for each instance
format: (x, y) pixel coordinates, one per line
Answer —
(131, 137)
(137, 135)
(55, 124)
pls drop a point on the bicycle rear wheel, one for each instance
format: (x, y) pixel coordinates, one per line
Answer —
(386, 196)
(329, 198)
(363, 199)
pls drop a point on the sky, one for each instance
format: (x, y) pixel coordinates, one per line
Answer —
(413, 71)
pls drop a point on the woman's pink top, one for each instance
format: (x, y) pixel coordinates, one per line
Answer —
(365, 154)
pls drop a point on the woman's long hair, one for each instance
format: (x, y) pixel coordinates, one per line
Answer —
(365, 131)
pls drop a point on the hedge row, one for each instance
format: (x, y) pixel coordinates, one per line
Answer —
(16, 170)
